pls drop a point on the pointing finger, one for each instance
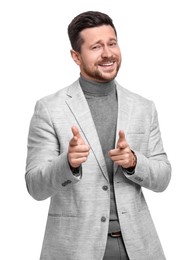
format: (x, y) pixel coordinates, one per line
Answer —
(75, 132)
(122, 143)
(121, 135)
(76, 135)
(73, 141)
(76, 139)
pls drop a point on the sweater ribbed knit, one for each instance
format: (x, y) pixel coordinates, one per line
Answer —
(102, 101)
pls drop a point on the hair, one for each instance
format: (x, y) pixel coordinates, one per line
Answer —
(83, 21)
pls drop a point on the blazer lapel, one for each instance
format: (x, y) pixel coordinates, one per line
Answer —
(78, 105)
(125, 105)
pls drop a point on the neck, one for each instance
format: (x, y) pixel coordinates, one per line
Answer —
(94, 88)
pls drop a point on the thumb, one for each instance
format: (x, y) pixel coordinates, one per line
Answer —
(122, 143)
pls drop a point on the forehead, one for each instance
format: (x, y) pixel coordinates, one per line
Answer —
(96, 34)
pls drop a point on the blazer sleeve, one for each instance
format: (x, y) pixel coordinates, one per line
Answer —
(47, 171)
(153, 171)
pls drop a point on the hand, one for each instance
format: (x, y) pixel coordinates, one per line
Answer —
(122, 154)
(78, 151)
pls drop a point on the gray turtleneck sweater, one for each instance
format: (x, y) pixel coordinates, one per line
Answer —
(102, 101)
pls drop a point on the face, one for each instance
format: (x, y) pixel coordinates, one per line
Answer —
(100, 56)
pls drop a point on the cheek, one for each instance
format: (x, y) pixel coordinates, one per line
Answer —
(86, 61)
(118, 54)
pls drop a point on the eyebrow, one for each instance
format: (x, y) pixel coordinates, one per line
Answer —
(100, 41)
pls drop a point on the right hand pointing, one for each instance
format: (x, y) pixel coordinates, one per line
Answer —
(78, 151)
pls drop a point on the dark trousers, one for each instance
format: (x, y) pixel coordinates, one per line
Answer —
(115, 249)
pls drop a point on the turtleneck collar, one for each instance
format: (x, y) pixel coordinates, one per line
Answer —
(96, 89)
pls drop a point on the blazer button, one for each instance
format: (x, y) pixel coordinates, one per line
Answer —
(105, 187)
(103, 219)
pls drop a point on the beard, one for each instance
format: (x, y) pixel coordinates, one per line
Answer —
(100, 75)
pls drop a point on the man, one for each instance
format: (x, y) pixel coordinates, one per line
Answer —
(92, 147)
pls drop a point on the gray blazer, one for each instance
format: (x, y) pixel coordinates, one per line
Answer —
(78, 216)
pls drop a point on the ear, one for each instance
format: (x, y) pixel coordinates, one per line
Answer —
(75, 56)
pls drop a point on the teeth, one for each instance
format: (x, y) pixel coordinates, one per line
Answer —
(107, 64)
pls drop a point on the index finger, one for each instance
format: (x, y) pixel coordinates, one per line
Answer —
(121, 135)
(75, 131)
(122, 143)
(76, 136)
(74, 141)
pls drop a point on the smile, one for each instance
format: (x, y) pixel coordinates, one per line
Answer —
(106, 64)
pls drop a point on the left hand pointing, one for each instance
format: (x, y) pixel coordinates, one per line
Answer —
(122, 154)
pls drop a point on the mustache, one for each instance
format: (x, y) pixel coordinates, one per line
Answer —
(110, 59)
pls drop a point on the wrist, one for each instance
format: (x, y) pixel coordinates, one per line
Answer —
(132, 164)
(134, 159)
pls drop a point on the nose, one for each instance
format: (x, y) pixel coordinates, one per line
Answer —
(106, 52)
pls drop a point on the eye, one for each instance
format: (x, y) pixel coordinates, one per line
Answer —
(112, 44)
(96, 47)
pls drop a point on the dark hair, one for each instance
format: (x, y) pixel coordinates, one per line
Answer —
(85, 20)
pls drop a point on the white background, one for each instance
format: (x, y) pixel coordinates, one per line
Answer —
(157, 40)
